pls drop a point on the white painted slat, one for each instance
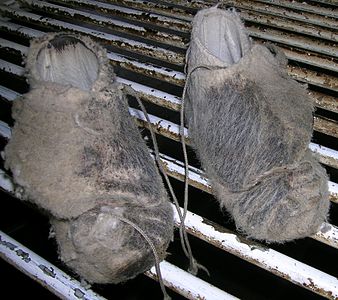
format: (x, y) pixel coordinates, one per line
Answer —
(317, 281)
(328, 235)
(123, 26)
(11, 68)
(329, 155)
(173, 128)
(188, 285)
(149, 91)
(5, 130)
(43, 271)
(91, 32)
(148, 67)
(327, 232)
(66, 287)
(129, 11)
(264, 257)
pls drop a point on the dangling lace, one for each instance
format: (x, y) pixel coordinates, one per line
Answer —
(193, 268)
(153, 249)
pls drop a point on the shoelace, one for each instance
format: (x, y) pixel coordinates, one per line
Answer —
(153, 249)
(185, 244)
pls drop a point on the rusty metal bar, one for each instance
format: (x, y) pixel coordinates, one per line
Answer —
(322, 17)
(5, 130)
(304, 17)
(273, 37)
(304, 7)
(155, 7)
(330, 2)
(297, 56)
(138, 31)
(325, 101)
(304, 75)
(293, 26)
(11, 68)
(154, 95)
(293, 40)
(256, 6)
(146, 69)
(8, 94)
(252, 16)
(329, 82)
(310, 58)
(326, 126)
(110, 39)
(249, 14)
(131, 14)
(9, 45)
(170, 130)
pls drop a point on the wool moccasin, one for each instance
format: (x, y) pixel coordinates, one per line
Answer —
(251, 125)
(78, 155)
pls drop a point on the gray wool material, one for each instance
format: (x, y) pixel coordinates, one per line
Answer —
(251, 125)
(77, 153)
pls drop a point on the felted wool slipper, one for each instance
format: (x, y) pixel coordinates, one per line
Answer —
(77, 154)
(251, 125)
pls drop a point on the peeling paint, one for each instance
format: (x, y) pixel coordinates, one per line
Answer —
(24, 255)
(7, 244)
(48, 271)
(41, 271)
(78, 293)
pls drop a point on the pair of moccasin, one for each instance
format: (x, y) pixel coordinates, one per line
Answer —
(77, 154)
